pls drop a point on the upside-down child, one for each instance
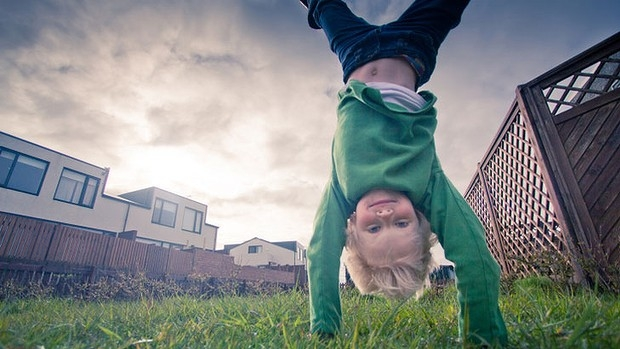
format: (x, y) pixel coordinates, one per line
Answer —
(387, 190)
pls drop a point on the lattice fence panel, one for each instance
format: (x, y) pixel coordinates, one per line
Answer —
(478, 201)
(525, 219)
(584, 85)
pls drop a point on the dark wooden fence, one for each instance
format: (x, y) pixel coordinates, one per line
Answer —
(549, 183)
(31, 245)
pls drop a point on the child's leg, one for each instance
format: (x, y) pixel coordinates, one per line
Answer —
(429, 21)
(434, 17)
(342, 27)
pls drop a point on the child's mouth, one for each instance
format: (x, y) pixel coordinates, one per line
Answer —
(382, 202)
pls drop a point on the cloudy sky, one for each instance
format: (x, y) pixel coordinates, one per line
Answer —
(232, 102)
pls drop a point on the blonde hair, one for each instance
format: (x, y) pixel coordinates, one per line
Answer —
(398, 278)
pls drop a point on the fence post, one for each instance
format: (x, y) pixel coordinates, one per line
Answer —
(492, 214)
(49, 246)
(561, 182)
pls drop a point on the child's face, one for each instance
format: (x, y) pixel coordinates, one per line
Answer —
(385, 222)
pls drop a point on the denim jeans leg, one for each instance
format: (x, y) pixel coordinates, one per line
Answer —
(344, 31)
(430, 19)
(433, 17)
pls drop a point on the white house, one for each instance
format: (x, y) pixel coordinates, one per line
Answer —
(166, 215)
(42, 183)
(258, 252)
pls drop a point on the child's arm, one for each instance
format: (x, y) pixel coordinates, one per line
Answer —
(324, 253)
(462, 237)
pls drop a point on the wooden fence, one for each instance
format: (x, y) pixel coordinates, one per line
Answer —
(33, 245)
(549, 183)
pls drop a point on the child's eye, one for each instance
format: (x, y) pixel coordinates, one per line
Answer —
(402, 224)
(373, 229)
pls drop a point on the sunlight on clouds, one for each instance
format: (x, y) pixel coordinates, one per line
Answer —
(160, 164)
(236, 165)
(173, 168)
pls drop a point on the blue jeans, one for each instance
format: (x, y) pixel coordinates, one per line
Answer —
(415, 35)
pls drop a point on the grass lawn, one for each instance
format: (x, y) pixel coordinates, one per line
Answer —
(538, 314)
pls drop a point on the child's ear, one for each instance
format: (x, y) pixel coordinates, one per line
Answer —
(433, 239)
(351, 221)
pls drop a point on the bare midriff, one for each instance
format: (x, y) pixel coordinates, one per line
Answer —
(395, 70)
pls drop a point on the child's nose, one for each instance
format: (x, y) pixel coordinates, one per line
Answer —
(384, 212)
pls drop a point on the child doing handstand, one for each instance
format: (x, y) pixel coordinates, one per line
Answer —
(387, 190)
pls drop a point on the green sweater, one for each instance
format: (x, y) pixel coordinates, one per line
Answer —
(381, 145)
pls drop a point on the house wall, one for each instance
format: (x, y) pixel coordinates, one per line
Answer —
(140, 219)
(105, 213)
(270, 254)
(109, 213)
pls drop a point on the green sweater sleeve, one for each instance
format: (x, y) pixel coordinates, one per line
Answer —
(324, 253)
(462, 237)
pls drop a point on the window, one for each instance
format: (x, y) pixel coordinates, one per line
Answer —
(192, 220)
(21, 172)
(255, 249)
(164, 213)
(300, 253)
(77, 188)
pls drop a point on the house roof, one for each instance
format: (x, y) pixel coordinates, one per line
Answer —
(289, 245)
(145, 196)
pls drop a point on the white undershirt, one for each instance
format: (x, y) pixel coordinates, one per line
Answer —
(400, 95)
